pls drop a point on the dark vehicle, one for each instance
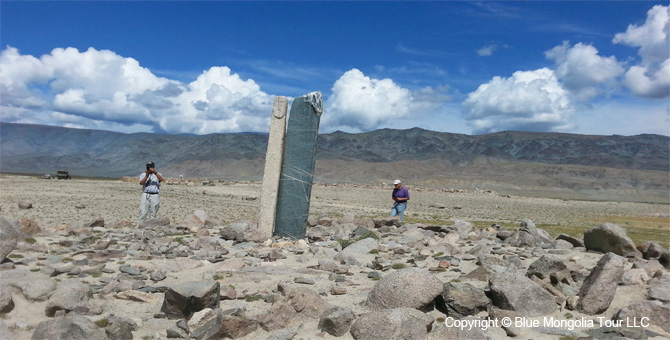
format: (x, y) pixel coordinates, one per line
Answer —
(63, 174)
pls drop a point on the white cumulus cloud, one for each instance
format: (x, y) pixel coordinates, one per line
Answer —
(651, 78)
(582, 71)
(527, 101)
(362, 103)
(97, 88)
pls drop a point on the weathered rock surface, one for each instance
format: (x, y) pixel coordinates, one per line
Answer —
(462, 299)
(70, 327)
(609, 237)
(656, 312)
(600, 286)
(516, 292)
(8, 237)
(411, 287)
(528, 235)
(393, 323)
(336, 321)
(183, 300)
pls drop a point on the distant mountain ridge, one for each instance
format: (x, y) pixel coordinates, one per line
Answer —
(428, 157)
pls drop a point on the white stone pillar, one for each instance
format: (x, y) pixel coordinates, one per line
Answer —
(273, 164)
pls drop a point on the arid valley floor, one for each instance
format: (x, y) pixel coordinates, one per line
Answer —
(61, 207)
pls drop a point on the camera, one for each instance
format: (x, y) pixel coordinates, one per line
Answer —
(148, 167)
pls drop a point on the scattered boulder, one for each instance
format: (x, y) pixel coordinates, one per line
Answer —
(410, 287)
(6, 301)
(205, 323)
(575, 241)
(632, 277)
(336, 321)
(70, 295)
(528, 235)
(183, 300)
(393, 323)
(25, 205)
(656, 312)
(29, 226)
(599, 288)
(545, 266)
(70, 327)
(461, 228)
(386, 221)
(293, 304)
(516, 292)
(121, 328)
(462, 299)
(8, 238)
(233, 327)
(609, 237)
(651, 250)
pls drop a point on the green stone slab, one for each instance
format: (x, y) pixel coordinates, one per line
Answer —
(297, 172)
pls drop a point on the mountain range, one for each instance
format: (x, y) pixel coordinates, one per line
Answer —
(543, 164)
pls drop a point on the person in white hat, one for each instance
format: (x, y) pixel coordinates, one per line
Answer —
(400, 197)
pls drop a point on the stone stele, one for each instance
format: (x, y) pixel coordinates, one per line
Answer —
(297, 172)
(273, 163)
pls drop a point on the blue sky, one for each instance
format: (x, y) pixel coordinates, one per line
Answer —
(588, 67)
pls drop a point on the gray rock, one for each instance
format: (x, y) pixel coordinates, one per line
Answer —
(36, 289)
(393, 323)
(609, 237)
(121, 329)
(657, 313)
(651, 250)
(545, 266)
(599, 288)
(284, 334)
(528, 235)
(660, 290)
(410, 287)
(460, 227)
(182, 300)
(441, 333)
(8, 237)
(462, 299)
(496, 313)
(575, 241)
(71, 327)
(234, 231)
(206, 323)
(158, 275)
(664, 260)
(25, 205)
(6, 301)
(336, 320)
(633, 277)
(386, 221)
(363, 246)
(516, 292)
(294, 303)
(70, 295)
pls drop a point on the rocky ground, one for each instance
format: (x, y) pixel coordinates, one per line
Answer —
(75, 265)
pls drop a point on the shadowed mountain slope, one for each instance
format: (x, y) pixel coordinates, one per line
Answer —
(496, 161)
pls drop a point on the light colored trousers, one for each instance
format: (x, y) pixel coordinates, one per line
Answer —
(149, 205)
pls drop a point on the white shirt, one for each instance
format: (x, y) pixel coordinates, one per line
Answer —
(152, 185)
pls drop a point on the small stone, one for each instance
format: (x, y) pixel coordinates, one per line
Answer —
(337, 290)
(303, 280)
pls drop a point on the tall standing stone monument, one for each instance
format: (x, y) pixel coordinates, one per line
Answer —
(297, 172)
(273, 162)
